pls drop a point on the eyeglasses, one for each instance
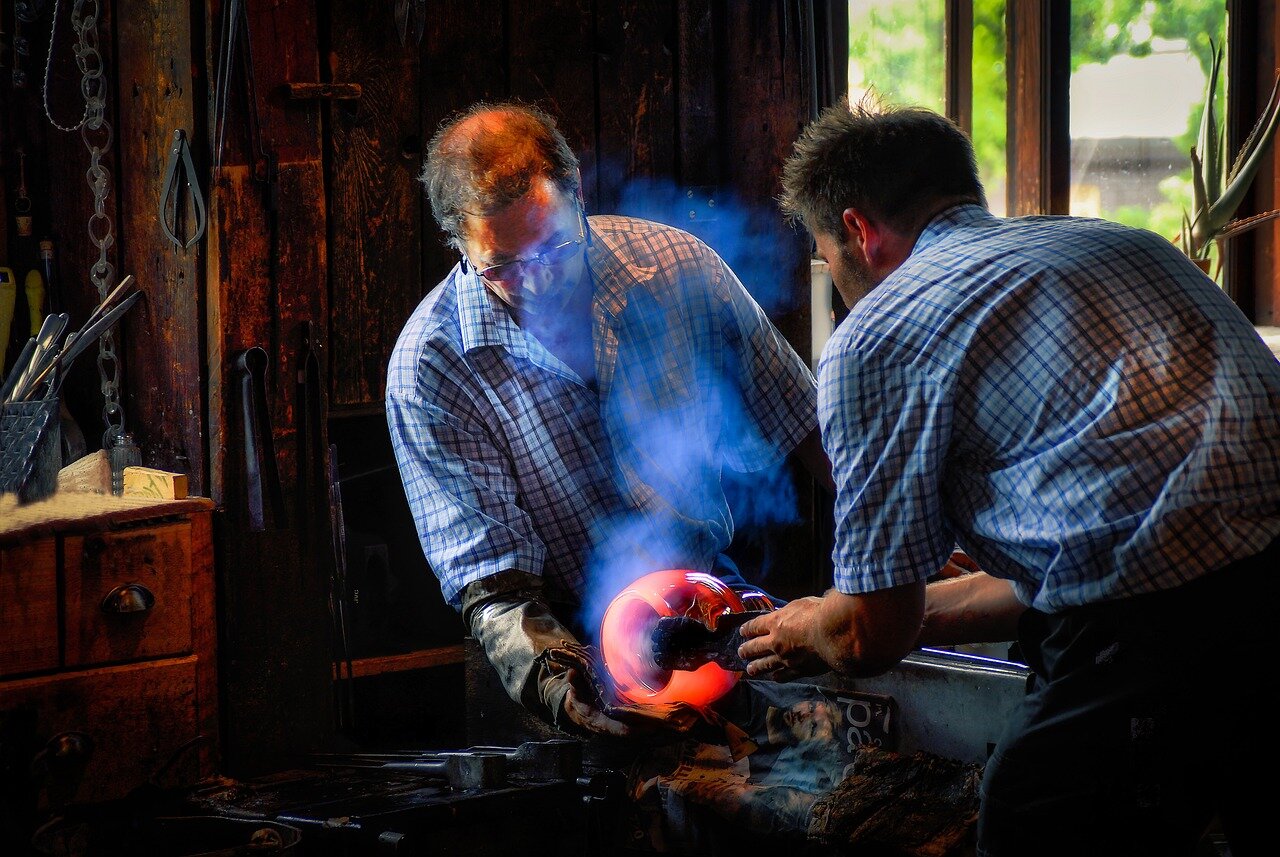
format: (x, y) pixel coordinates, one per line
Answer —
(511, 273)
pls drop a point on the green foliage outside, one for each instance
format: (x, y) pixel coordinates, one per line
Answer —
(898, 48)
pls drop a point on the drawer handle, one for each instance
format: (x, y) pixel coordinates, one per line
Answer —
(129, 598)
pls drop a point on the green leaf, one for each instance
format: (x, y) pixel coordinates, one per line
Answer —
(1208, 142)
(1200, 233)
(1248, 164)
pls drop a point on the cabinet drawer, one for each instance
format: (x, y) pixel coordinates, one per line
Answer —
(29, 607)
(135, 716)
(151, 618)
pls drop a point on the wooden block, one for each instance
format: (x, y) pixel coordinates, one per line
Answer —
(157, 484)
(88, 475)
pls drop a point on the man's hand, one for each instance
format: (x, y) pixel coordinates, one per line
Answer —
(650, 725)
(584, 713)
(858, 635)
(780, 645)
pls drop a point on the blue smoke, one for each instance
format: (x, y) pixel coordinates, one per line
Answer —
(666, 439)
(746, 237)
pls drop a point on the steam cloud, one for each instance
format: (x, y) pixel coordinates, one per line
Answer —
(666, 439)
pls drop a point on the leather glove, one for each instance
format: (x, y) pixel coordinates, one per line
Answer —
(510, 617)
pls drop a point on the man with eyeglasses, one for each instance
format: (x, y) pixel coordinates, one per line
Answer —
(562, 404)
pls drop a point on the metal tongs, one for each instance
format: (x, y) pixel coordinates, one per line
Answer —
(42, 360)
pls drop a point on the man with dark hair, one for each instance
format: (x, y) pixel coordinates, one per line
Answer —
(562, 404)
(1098, 426)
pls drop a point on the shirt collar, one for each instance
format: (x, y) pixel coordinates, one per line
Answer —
(615, 276)
(484, 324)
(955, 217)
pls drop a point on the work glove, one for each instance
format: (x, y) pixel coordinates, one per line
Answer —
(508, 614)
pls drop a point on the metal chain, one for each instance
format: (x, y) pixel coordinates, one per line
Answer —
(98, 136)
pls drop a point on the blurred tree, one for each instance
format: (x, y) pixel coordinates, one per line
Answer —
(896, 49)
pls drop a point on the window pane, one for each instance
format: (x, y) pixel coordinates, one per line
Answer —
(1139, 71)
(896, 48)
(990, 107)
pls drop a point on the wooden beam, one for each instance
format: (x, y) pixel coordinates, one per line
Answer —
(267, 274)
(1039, 69)
(376, 204)
(958, 41)
(419, 660)
(1252, 39)
(167, 409)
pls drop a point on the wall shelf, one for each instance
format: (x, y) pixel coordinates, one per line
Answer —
(421, 659)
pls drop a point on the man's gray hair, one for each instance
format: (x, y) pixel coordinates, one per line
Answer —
(489, 156)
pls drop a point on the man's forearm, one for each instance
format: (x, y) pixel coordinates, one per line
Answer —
(864, 635)
(973, 608)
(515, 626)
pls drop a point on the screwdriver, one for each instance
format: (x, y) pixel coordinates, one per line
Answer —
(34, 287)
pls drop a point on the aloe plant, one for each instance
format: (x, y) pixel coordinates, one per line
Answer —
(1217, 192)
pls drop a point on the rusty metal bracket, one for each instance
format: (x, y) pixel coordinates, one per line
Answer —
(323, 91)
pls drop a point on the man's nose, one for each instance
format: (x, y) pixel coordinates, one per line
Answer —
(536, 278)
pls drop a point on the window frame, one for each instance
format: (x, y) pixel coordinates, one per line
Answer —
(1038, 153)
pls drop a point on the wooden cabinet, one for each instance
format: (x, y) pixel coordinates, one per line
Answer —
(107, 643)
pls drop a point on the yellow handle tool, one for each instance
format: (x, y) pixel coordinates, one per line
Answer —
(35, 300)
(8, 299)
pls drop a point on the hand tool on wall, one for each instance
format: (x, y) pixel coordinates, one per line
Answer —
(43, 353)
(46, 263)
(235, 47)
(34, 287)
(344, 698)
(99, 322)
(261, 472)
(415, 9)
(15, 374)
(21, 202)
(8, 300)
(179, 171)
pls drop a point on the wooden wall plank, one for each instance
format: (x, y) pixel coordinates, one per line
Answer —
(267, 279)
(1039, 146)
(448, 86)
(155, 75)
(376, 204)
(635, 101)
(697, 124)
(553, 64)
(764, 114)
(1259, 297)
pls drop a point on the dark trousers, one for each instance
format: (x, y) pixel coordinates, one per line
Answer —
(1145, 719)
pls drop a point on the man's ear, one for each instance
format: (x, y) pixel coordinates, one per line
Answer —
(863, 233)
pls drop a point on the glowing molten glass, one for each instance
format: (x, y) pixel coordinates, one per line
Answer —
(626, 637)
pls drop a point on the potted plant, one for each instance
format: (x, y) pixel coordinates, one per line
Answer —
(1216, 191)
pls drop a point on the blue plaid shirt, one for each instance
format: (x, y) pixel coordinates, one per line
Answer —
(511, 462)
(1070, 400)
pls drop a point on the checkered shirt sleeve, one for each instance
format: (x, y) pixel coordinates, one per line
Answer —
(459, 482)
(886, 428)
